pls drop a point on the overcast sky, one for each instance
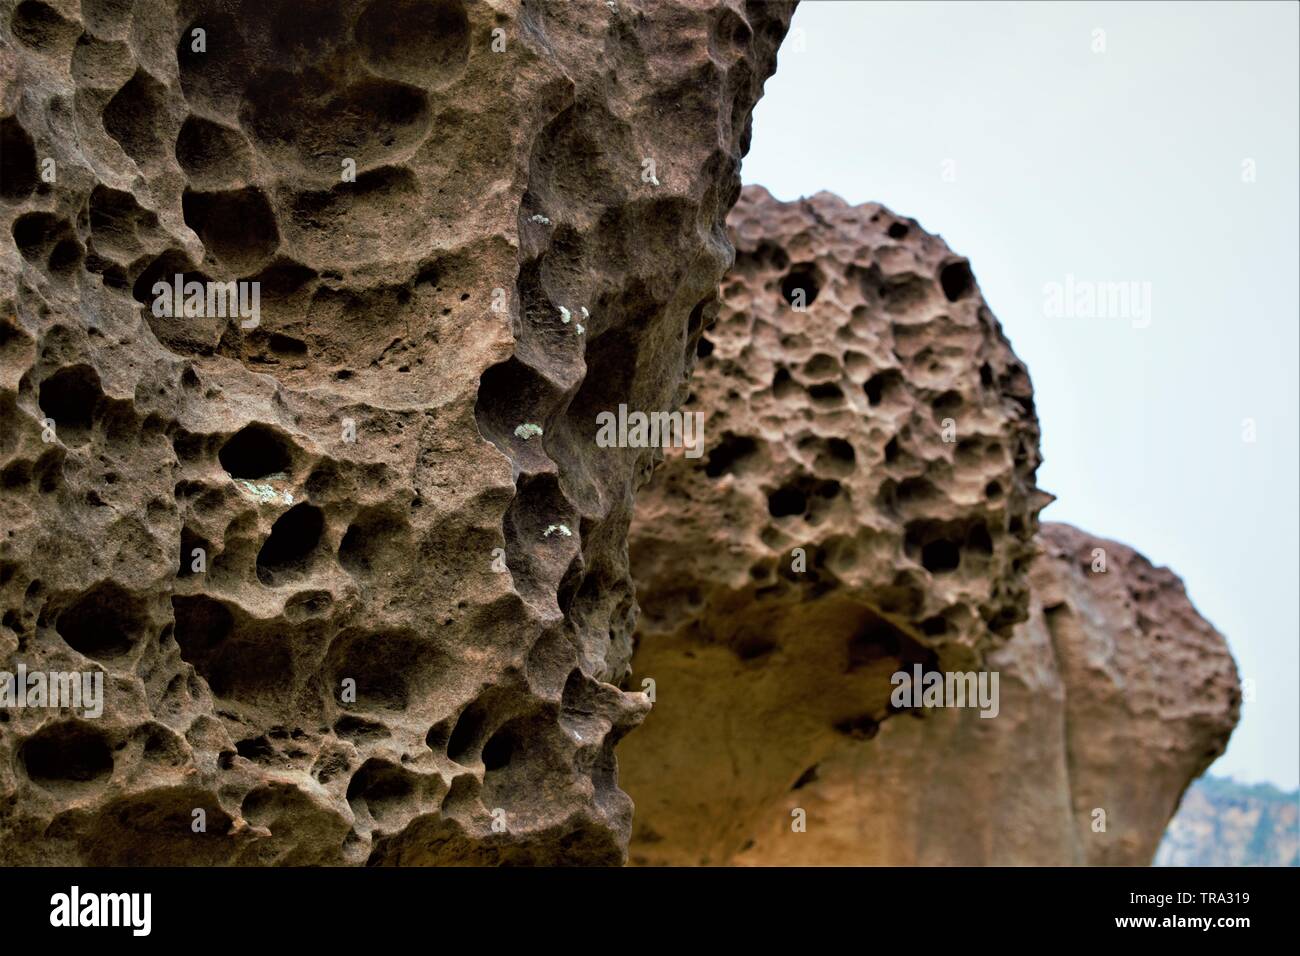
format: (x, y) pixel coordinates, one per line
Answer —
(1163, 150)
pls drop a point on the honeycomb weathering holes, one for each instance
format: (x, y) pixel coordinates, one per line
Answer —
(212, 155)
(104, 622)
(374, 541)
(40, 27)
(293, 541)
(308, 120)
(134, 116)
(17, 161)
(801, 277)
(467, 736)
(238, 227)
(383, 664)
(424, 42)
(957, 280)
(68, 753)
(36, 233)
(70, 397)
(254, 452)
(499, 750)
(729, 455)
(221, 161)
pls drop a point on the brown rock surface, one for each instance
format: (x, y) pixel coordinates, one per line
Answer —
(350, 468)
(888, 431)
(1115, 695)
(772, 685)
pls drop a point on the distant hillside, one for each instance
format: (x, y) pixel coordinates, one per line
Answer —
(1225, 823)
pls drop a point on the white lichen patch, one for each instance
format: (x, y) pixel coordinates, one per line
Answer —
(565, 315)
(527, 430)
(559, 529)
(260, 491)
(263, 490)
(539, 218)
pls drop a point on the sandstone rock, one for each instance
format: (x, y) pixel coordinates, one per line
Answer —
(867, 501)
(826, 432)
(1115, 695)
(231, 518)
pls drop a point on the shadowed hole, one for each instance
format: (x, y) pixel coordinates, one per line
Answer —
(801, 277)
(730, 455)
(882, 385)
(70, 397)
(957, 280)
(941, 555)
(134, 115)
(294, 538)
(67, 753)
(425, 42)
(786, 501)
(17, 161)
(237, 227)
(104, 622)
(467, 736)
(254, 452)
(39, 26)
(212, 155)
(498, 751)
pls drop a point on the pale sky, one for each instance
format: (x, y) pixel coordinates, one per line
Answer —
(1002, 128)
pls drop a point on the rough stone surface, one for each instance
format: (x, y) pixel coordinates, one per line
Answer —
(826, 432)
(1115, 695)
(888, 431)
(588, 163)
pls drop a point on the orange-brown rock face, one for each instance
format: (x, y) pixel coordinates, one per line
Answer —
(1115, 695)
(889, 432)
(867, 501)
(346, 557)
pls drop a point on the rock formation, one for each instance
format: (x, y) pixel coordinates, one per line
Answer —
(1115, 694)
(867, 502)
(347, 557)
(889, 432)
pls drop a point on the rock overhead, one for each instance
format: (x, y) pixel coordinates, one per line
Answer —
(867, 502)
(888, 432)
(304, 327)
(1115, 695)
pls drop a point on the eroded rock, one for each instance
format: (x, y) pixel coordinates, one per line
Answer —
(867, 501)
(768, 743)
(305, 544)
(1115, 695)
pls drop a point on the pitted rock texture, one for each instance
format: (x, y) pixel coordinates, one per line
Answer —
(1115, 695)
(310, 556)
(772, 684)
(866, 502)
